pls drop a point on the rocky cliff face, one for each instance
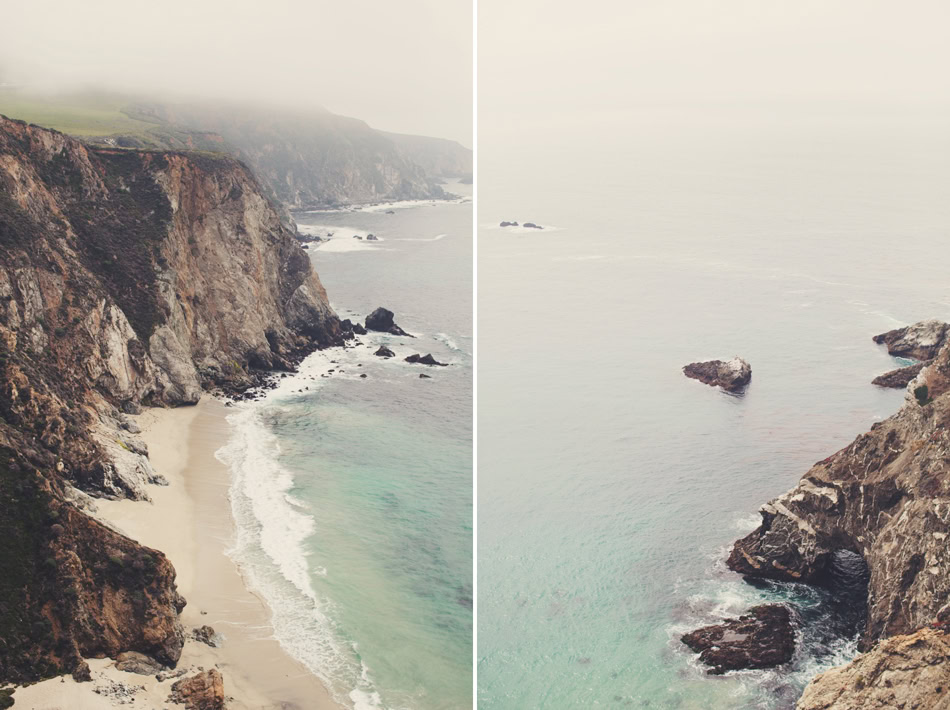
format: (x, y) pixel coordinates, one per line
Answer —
(885, 497)
(126, 278)
(902, 672)
(437, 156)
(309, 159)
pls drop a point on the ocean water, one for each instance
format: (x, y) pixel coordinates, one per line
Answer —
(610, 487)
(352, 496)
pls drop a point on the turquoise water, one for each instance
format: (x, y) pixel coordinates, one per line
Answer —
(353, 495)
(610, 487)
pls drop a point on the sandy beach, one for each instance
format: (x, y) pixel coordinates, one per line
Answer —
(190, 521)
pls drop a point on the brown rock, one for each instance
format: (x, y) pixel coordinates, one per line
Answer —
(911, 671)
(204, 691)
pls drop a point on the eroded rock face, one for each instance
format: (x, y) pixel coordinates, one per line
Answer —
(762, 638)
(731, 375)
(126, 278)
(204, 691)
(921, 341)
(885, 497)
(911, 671)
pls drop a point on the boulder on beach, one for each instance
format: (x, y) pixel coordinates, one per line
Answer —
(135, 662)
(532, 225)
(509, 224)
(425, 360)
(204, 691)
(920, 341)
(762, 638)
(384, 352)
(381, 320)
(731, 375)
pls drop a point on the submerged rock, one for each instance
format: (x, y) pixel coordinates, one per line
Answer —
(384, 352)
(508, 224)
(911, 671)
(731, 376)
(532, 225)
(381, 320)
(204, 691)
(901, 377)
(921, 341)
(372, 238)
(763, 638)
(425, 360)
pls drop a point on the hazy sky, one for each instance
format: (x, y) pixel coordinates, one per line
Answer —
(562, 59)
(401, 65)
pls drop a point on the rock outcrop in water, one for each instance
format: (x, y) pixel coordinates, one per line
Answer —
(920, 341)
(732, 375)
(382, 321)
(418, 359)
(126, 278)
(761, 638)
(884, 497)
(901, 377)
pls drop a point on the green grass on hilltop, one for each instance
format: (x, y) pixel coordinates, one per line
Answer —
(77, 115)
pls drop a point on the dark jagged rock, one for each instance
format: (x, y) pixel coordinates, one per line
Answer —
(532, 225)
(920, 341)
(372, 238)
(901, 377)
(762, 638)
(508, 224)
(204, 691)
(359, 329)
(206, 635)
(423, 376)
(732, 376)
(381, 320)
(425, 360)
(81, 673)
(384, 352)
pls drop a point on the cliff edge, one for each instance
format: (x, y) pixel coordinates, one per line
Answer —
(126, 278)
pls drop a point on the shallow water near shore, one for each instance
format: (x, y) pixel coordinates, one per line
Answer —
(352, 496)
(611, 486)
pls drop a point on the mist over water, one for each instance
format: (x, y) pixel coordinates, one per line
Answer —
(353, 495)
(611, 486)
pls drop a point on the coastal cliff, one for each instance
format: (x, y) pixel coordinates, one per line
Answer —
(127, 278)
(309, 159)
(885, 498)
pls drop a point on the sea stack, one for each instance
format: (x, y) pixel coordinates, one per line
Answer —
(731, 375)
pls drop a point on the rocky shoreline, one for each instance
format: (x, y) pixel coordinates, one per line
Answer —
(884, 500)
